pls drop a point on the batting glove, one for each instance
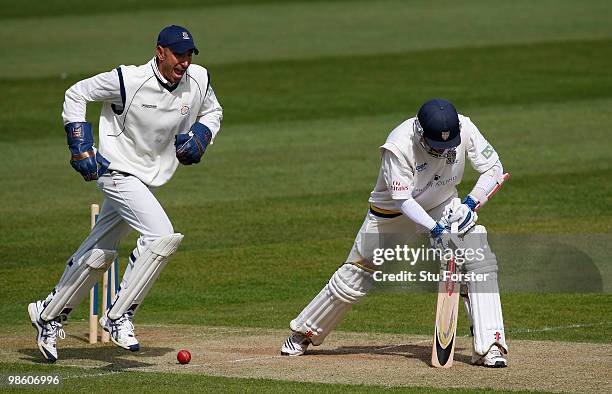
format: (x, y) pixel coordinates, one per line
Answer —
(456, 212)
(438, 236)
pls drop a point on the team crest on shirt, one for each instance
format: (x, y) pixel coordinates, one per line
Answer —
(184, 110)
(488, 151)
(445, 135)
(421, 167)
(451, 156)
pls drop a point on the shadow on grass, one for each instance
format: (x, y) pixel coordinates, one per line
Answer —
(107, 354)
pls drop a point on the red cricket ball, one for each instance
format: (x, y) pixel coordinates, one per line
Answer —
(183, 356)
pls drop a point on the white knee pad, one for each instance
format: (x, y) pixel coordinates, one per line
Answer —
(78, 277)
(347, 286)
(484, 301)
(147, 268)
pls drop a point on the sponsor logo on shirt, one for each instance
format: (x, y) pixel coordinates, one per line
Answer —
(421, 167)
(487, 152)
(444, 182)
(184, 110)
(398, 187)
(149, 106)
(436, 182)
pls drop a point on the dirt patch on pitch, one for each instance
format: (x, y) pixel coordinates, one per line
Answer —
(353, 358)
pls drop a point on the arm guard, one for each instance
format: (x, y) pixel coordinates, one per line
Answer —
(493, 191)
(488, 183)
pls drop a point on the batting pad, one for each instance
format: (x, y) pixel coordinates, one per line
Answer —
(147, 268)
(78, 277)
(347, 286)
(485, 304)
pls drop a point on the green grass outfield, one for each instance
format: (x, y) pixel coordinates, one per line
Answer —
(79, 380)
(310, 90)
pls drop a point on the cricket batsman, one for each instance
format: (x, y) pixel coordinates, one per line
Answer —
(422, 162)
(154, 116)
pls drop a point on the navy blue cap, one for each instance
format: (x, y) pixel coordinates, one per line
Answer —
(440, 123)
(177, 38)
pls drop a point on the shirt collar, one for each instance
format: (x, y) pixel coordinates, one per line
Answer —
(167, 84)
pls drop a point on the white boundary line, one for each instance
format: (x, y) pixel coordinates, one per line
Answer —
(91, 375)
(558, 328)
(252, 358)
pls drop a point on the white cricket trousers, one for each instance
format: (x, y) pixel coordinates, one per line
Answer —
(128, 205)
(371, 235)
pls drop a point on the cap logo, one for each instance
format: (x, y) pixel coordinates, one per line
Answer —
(445, 135)
(185, 35)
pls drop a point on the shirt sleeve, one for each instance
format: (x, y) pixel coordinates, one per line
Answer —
(211, 113)
(415, 212)
(487, 182)
(398, 176)
(480, 152)
(102, 87)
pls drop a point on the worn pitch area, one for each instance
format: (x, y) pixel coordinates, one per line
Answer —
(346, 357)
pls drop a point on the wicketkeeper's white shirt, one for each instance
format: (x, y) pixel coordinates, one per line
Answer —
(139, 122)
(408, 171)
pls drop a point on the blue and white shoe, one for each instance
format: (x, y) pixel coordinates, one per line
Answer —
(295, 345)
(121, 331)
(47, 332)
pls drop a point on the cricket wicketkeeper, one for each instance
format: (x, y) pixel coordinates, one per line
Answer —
(154, 116)
(422, 161)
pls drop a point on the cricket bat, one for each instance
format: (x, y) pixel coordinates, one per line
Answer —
(447, 309)
(445, 330)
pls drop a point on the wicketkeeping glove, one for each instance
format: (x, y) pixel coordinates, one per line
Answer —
(80, 141)
(191, 146)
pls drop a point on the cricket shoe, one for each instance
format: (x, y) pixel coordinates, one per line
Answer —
(493, 359)
(295, 345)
(47, 332)
(121, 331)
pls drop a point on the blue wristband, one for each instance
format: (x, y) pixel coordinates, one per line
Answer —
(437, 230)
(470, 202)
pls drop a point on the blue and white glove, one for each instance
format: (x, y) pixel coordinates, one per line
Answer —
(80, 141)
(460, 213)
(191, 146)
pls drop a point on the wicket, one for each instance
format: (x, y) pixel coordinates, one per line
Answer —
(110, 285)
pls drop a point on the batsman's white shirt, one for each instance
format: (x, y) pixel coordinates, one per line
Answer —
(413, 173)
(142, 114)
